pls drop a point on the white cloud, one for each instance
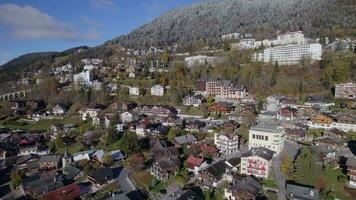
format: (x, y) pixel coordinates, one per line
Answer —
(104, 4)
(91, 22)
(27, 22)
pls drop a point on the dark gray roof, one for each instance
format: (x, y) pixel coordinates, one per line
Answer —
(217, 169)
(70, 172)
(102, 175)
(261, 152)
(234, 161)
(302, 192)
(351, 162)
(248, 184)
(50, 158)
(184, 139)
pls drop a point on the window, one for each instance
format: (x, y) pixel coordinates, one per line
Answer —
(253, 136)
(266, 137)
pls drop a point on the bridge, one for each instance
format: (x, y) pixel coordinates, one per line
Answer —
(14, 95)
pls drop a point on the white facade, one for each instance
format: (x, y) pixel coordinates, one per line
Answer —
(192, 101)
(89, 113)
(83, 78)
(270, 136)
(227, 144)
(338, 125)
(231, 36)
(200, 59)
(134, 91)
(157, 90)
(291, 38)
(255, 165)
(290, 54)
(126, 117)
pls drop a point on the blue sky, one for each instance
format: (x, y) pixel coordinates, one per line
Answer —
(55, 25)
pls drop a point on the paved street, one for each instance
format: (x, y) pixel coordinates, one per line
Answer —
(280, 180)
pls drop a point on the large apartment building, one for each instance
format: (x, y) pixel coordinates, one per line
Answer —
(223, 89)
(345, 91)
(257, 162)
(268, 135)
(289, 54)
(227, 143)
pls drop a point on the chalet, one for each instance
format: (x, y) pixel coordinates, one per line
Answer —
(335, 133)
(40, 184)
(71, 191)
(195, 164)
(297, 135)
(221, 108)
(195, 101)
(318, 101)
(209, 151)
(184, 140)
(50, 161)
(214, 175)
(127, 117)
(128, 105)
(59, 109)
(171, 120)
(101, 176)
(157, 90)
(194, 126)
(155, 110)
(70, 172)
(18, 106)
(166, 160)
(287, 113)
(134, 91)
(345, 91)
(91, 111)
(351, 172)
(35, 105)
(330, 142)
(247, 188)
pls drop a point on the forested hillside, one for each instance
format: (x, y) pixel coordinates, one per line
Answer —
(210, 19)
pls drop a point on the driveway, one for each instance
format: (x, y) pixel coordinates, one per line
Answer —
(280, 180)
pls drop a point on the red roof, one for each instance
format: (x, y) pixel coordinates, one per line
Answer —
(208, 149)
(68, 192)
(194, 161)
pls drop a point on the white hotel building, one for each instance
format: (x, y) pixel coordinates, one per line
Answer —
(290, 54)
(268, 135)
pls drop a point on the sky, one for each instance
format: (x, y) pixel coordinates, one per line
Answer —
(55, 25)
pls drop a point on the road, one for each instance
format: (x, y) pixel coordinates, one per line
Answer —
(280, 180)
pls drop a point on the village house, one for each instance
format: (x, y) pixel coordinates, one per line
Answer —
(268, 135)
(48, 162)
(134, 91)
(351, 172)
(298, 135)
(194, 101)
(83, 155)
(91, 111)
(59, 109)
(257, 162)
(155, 110)
(287, 113)
(208, 151)
(71, 191)
(296, 192)
(247, 188)
(180, 141)
(166, 160)
(157, 90)
(322, 121)
(345, 91)
(214, 175)
(194, 126)
(221, 108)
(127, 117)
(101, 176)
(318, 101)
(195, 164)
(228, 143)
